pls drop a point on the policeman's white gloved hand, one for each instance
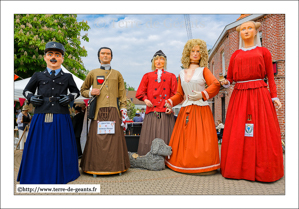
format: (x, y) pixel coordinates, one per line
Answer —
(124, 118)
(196, 96)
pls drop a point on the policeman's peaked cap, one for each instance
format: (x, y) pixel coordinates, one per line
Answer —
(159, 53)
(104, 48)
(55, 46)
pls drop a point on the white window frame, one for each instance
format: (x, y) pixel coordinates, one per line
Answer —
(223, 63)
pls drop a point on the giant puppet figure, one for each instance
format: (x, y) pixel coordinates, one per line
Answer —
(156, 87)
(194, 140)
(251, 144)
(50, 153)
(105, 153)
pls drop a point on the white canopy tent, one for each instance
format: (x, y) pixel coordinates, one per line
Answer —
(20, 85)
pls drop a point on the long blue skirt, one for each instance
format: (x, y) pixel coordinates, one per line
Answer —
(50, 152)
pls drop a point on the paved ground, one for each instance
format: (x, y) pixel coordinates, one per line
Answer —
(167, 182)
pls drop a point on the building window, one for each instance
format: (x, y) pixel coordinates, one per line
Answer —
(223, 63)
(260, 33)
(223, 108)
(212, 69)
(131, 99)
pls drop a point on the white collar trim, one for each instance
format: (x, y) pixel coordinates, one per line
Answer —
(247, 49)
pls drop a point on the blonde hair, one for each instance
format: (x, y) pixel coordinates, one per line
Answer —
(203, 62)
(153, 63)
(256, 25)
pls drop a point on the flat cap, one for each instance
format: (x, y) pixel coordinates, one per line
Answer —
(55, 46)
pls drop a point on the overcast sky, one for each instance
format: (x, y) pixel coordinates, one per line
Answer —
(135, 38)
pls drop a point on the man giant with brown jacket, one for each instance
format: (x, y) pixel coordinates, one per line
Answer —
(105, 153)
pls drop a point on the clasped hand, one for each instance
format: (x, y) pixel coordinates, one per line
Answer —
(278, 103)
(65, 100)
(36, 101)
(148, 103)
(168, 108)
(196, 96)
(225, 82)
(95, 92)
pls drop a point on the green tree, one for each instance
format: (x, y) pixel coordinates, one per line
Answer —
(33, 31)
(131, 111)
(128, 87)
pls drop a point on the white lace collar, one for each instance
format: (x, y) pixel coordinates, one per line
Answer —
(247, 49)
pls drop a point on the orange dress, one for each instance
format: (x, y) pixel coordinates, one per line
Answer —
(194, 139)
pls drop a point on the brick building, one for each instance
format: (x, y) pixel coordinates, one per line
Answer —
(272, 33)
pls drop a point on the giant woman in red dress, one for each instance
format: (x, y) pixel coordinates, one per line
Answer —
(251, 145)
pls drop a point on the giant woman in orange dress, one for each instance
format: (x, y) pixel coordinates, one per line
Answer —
(194, 139)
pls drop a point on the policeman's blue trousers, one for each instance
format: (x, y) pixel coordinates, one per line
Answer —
(50, 152)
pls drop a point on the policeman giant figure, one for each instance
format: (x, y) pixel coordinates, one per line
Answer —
(50, 153)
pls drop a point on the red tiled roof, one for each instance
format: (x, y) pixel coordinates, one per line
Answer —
(242, 16)
(132, 94)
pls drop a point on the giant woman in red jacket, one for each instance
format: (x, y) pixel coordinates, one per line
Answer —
(156, 87)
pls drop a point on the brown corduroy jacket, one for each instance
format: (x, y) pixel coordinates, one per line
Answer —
(113, 88)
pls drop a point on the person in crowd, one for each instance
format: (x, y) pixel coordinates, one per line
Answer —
(18, 110)
(142, 114)
(137, 117)
(77, 125)
(23, 121)
(156, 87)
(194, 140)
(251, 145)
(105, 153)
(219, 126)
(50, 152)
(83, 108)
(15, 119)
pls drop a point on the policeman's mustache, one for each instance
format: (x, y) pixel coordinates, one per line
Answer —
(53, 60)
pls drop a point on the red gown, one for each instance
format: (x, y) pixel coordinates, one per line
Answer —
(258, 157)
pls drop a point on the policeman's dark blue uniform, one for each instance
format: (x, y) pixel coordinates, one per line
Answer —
(50, 152)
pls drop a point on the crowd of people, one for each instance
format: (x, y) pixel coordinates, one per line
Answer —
(251, 146)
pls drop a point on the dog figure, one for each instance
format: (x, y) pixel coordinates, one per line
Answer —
(154, 159)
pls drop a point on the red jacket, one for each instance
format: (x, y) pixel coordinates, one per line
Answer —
(155, 92)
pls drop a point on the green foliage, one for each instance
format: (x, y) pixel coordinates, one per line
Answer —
(131, 111)
(128, 87)
(33, 31)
